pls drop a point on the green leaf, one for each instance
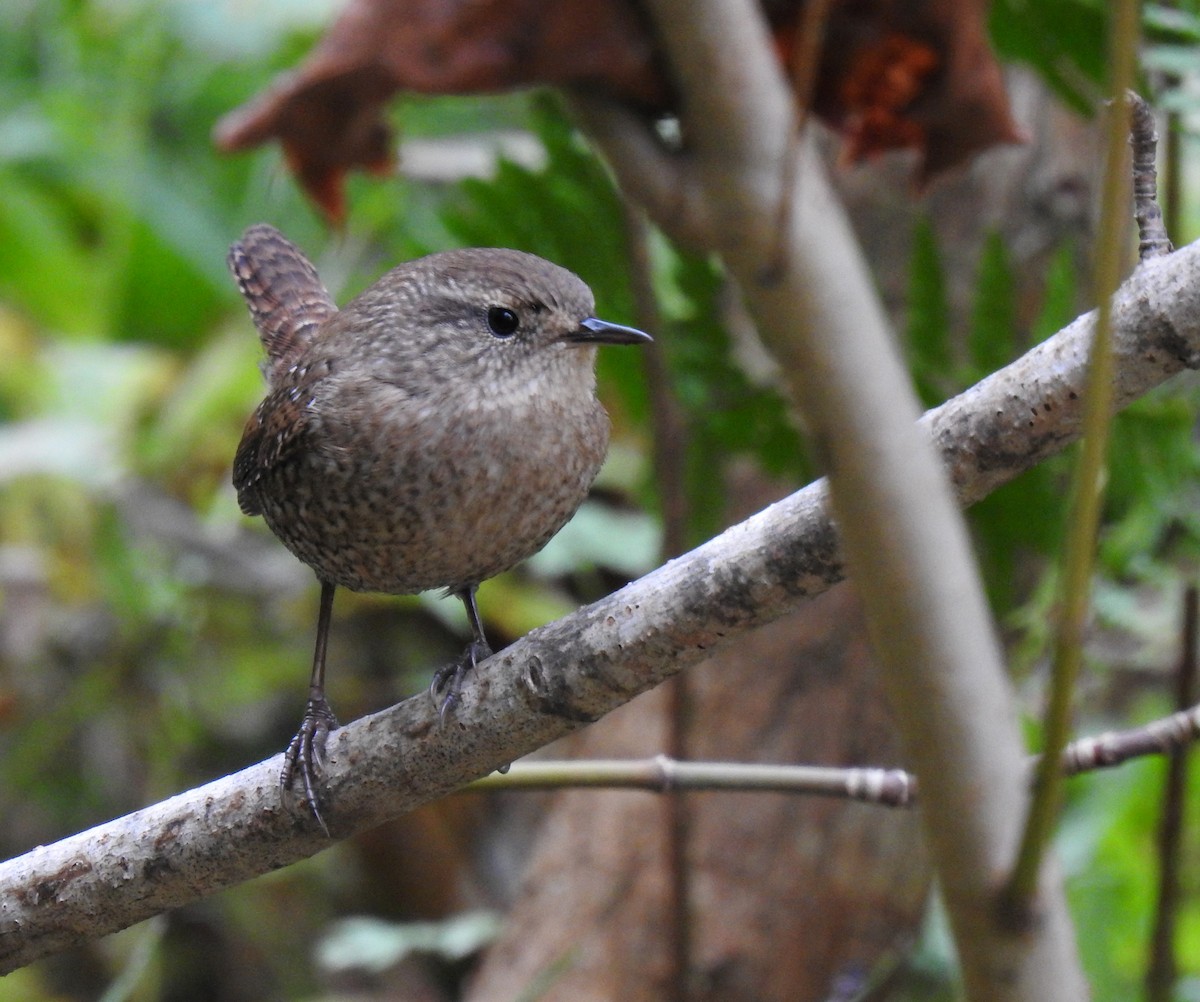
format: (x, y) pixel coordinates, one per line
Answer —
(1063, 40)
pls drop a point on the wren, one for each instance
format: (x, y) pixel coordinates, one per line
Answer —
(434, 432)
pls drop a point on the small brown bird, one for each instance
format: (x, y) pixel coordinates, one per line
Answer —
(437, 430)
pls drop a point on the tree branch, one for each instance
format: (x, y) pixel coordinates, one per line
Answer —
(577, 669)
(805, 282)
(660, 180)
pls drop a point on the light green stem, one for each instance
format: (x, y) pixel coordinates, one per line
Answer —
(1090, 472)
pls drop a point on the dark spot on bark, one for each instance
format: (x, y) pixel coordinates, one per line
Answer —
(170, 832)
(550, 694)
(533, 674)
(818, 554)
(156, 867)
(1181, 349)
(48, 888)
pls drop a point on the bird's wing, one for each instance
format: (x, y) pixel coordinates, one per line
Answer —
(275, 431)
(286, 298)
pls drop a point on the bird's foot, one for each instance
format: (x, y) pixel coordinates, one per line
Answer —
(448, 679)
(305, 756)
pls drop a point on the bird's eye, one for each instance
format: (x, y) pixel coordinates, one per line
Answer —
(502, 321)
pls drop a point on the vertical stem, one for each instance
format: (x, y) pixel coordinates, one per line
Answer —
(1143, 139)
(807, 46)
(1088, 485)
(677, 822)
(1162, 970)
(1172, 199)
(667, 422)
(670, 457)
(904, 541)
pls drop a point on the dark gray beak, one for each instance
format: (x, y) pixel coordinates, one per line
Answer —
(593, 331)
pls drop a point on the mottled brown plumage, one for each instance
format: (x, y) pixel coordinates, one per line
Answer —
(436, 431)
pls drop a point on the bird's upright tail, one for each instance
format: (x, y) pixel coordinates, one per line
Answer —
(286, 298)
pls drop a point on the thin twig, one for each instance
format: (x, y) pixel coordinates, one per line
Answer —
(1162, 969)
(805, 61)
(1160, 737)
(1143, 139)
(663, 774)
(670, 469)
(882, 787)
(668, 428)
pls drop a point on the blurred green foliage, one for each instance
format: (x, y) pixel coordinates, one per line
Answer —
(1065, 42)
(152, 638)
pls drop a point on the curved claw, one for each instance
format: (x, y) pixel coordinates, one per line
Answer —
(305, 756)
(450, 677)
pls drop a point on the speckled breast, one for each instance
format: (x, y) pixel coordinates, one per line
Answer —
(445, 504)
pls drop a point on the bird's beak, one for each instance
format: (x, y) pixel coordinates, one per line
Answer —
(593, 331)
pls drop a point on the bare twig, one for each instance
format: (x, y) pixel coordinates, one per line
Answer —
(1143, 139)
(1160, 737)
(881, 787)
(664, 774)
(575, 670)
(670, 471)
(667, 423)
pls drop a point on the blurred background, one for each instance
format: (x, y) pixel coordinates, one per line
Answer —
(152, 638)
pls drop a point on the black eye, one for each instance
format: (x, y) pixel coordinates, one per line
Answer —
(502, 321)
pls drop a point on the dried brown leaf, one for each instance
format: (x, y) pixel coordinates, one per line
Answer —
(892, 75)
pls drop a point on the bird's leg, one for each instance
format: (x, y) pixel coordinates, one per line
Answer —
(306, 753)
(449, 678)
